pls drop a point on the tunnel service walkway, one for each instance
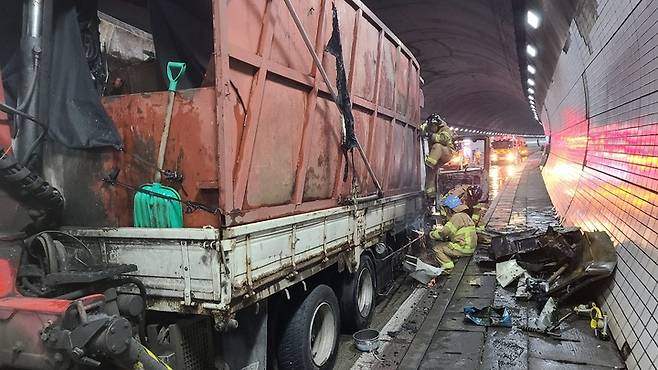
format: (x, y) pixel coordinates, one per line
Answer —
(443, 340)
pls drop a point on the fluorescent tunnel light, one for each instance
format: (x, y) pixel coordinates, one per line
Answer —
(531, 50)
(533, 19)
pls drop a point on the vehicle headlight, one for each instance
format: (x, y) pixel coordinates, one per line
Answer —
(510, 156)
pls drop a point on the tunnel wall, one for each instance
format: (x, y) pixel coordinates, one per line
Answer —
(601, 112)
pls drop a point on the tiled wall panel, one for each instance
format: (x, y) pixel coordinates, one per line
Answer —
(602, 174)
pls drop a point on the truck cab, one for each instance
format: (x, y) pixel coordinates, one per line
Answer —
(505, 150)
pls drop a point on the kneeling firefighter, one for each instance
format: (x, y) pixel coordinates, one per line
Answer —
(458, 237)
(470, 196)
(442, 148)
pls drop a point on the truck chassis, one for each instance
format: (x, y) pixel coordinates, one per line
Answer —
(232, 274)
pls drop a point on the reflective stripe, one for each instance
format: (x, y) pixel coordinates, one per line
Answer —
(466, 230)
(476, 218)
(469, 235)
(435, 234)
(451, 228)
(463, 249)
(431, 161)
(444, 136)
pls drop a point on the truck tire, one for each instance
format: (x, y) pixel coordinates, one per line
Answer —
(309, 340)
(358, 297)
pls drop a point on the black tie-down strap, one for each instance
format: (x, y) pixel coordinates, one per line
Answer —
(343, 100)
(335, 48)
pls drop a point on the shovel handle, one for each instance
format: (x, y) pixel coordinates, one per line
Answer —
(175, 70)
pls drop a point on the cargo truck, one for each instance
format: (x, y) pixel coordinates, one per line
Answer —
(288, 237)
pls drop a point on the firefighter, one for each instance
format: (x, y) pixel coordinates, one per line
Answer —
(478, 157)
(442, 148)
(472, 201)
(470, 196)
(458, 237)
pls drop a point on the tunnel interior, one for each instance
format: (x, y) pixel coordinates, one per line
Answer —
(594, 90)
(584, 73)
(471, 53)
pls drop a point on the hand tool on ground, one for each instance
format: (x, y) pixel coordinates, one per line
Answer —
(560, 321)
(598, 319)
(551, 330)
(548, 332)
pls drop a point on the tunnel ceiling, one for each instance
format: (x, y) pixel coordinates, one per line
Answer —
(467, 50)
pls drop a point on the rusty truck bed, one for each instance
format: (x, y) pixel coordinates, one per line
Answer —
(263, 139)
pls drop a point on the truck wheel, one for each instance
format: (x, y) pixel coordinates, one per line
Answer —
(358, 297)
(310, 338)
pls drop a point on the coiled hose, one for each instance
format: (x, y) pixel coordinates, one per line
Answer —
(44, 202)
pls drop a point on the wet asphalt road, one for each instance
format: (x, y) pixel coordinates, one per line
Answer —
(404, 286)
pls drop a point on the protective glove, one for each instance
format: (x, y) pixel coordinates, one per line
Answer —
(435, 234)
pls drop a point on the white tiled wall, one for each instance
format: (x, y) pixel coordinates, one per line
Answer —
(603, 170)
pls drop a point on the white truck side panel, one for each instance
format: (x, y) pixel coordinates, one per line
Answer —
(193, 270)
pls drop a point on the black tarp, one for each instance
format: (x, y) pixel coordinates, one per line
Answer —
(182, 32)
(75, 116)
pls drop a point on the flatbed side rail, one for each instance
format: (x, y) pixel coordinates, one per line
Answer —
(202, 270)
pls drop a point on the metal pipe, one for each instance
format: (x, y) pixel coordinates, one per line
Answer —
(557, 274)
(367, 198)
(357, 200)
(77, 293)
(34, 23)
(332, 91)
(380, 191)
(32, 95)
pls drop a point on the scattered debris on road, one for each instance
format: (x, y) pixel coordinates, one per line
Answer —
(419, 270)
(558, 262)
(550, 268)
(507, 272)
(488, 316)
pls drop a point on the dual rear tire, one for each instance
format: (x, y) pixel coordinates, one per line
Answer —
(358, 297)
(309, 340)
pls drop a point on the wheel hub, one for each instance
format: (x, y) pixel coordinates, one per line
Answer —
(322, 334)
(365, 293)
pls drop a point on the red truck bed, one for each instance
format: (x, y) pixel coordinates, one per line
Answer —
(262, 141)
